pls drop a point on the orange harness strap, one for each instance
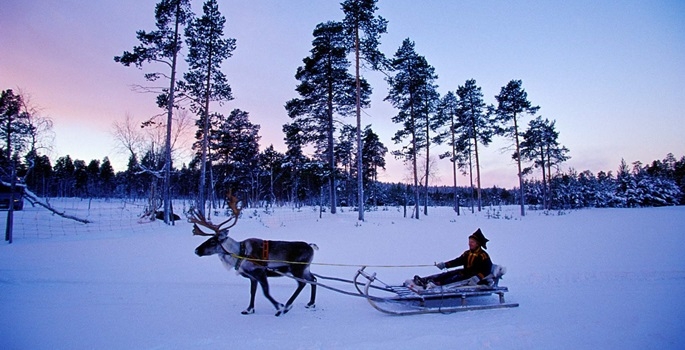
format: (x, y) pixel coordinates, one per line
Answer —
(265, 250)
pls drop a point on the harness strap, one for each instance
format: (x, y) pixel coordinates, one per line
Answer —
(265, 250)
(239, 257)
(255, 256)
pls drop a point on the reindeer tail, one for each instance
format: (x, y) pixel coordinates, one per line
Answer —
(314, 246)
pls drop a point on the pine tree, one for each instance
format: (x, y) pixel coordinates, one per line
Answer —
(39, 176)
(236, 145)
(132, 182)
(204, 81)
(374, 157)
(327, 89)
(271, 166)
(162, 45)
(540, 145)
(64, 174)
(512, 105)
(476, 123)
(80, 178)
(345, 155)
(409, 93)
(363, 30)
(106, 174)
(606, 190)
(430, 98)
(448, 117)
(625, 186)
(294, 159)
(15, 126)
(679, 177)
(652, 189)
(93, 188)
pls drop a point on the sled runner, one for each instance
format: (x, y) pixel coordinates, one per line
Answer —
(410, 299)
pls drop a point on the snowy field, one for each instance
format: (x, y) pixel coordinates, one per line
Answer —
(598, 278)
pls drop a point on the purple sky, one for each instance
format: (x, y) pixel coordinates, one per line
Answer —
(610, 73)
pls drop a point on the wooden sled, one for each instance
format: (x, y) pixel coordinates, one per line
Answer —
(409, 299)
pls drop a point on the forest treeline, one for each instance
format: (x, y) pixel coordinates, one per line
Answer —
(659, 183)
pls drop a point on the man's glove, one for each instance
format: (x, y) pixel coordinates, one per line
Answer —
(441, 265)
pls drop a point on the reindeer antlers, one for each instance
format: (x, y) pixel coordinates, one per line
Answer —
(197, 218)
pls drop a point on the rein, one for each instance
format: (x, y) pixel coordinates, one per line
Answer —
(240, 256)
(266, 261)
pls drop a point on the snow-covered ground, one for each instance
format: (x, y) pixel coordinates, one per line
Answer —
(598, 278)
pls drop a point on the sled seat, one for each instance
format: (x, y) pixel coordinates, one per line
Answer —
(468, 284)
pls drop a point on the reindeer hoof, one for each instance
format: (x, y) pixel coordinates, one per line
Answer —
(280, 310)
(248, 311)
(310, 306)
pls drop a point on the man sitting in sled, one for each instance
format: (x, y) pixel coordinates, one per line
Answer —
(475, 261)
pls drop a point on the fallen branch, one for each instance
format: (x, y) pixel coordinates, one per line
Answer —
(34, 200)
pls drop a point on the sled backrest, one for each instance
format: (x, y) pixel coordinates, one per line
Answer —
(495, 274)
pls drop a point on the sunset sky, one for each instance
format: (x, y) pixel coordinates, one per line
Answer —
(611, 73)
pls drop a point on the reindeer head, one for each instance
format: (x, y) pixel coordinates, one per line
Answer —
(213, 245)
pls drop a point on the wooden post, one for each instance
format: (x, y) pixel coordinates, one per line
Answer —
(10, 210)
(8, 228)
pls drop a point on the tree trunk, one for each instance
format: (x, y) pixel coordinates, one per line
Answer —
(518, 161)
(544, 180)
(331, 154)
(549, 180)
(205, 143)
(425, 203)
(454, 173)
(475, 145)
(416, 187)
(413, 158)
(471, 178)
(10, 211)
(360, 172)
(166, 191)
(212, 183)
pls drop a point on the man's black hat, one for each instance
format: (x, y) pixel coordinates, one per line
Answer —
(480, 238)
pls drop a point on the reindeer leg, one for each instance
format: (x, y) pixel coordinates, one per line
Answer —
(312, 298)
(253, 291)
(289, 304)
(306, 275)
(261, 278)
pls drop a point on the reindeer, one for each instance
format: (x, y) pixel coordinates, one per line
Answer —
(257, 259)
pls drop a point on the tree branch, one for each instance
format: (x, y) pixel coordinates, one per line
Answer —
(34, 200)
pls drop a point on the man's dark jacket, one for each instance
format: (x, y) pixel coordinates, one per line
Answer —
(476, 263)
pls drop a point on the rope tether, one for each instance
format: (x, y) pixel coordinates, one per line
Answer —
(324, 264)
